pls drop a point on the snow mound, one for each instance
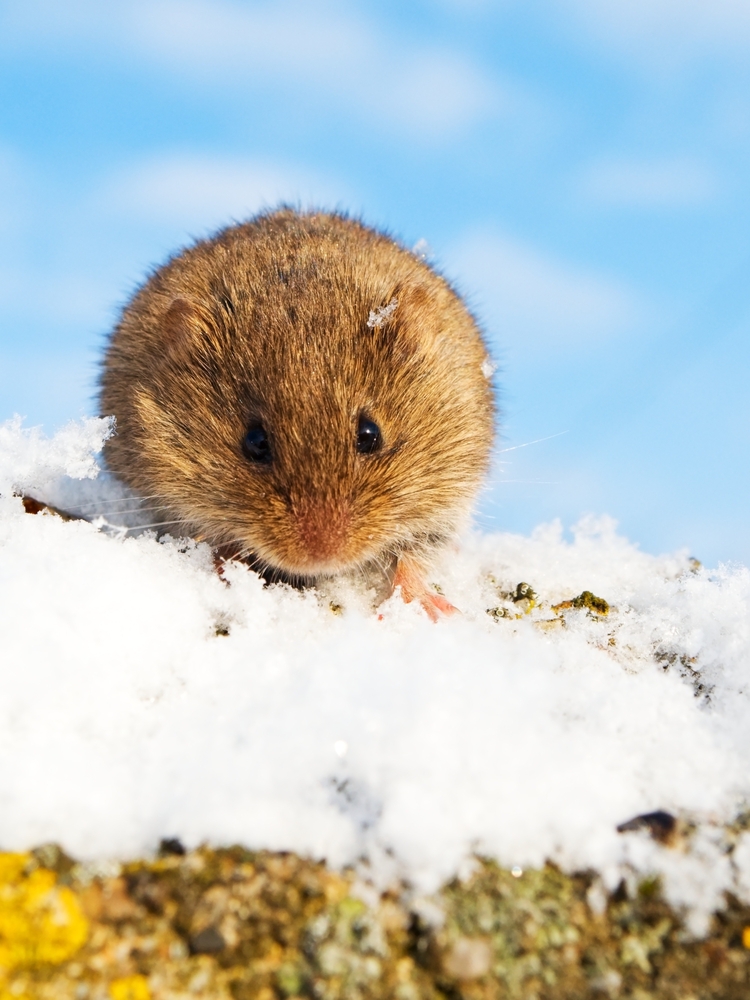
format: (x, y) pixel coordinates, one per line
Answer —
(143, 697)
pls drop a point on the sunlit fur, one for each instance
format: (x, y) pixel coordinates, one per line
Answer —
(267, 323)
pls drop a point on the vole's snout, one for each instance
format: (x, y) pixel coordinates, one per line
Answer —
(322, 528)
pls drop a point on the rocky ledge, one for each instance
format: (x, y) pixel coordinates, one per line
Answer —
(238, 925)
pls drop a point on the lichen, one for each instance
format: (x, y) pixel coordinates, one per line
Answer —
(41, 922)
(586, 600)
(130, 988)
(238, 925)
(523, 600)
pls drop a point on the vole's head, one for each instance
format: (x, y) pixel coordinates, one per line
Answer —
(303, 390)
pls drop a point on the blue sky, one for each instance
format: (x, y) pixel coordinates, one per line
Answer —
(578, 168)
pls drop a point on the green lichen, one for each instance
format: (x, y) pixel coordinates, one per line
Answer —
(586, 600)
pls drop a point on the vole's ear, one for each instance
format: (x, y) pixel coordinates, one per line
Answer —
(184, 322)
(413, 297)
(410, 327)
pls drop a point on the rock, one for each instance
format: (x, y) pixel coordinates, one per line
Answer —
(468, 958)
(207, 942)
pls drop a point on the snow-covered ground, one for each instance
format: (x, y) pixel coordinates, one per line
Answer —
(142, 696)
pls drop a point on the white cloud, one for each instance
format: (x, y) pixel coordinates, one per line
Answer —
(665, 32)
(671, 183)
(209, 36)
(439, 91)
(197, 192)
(525, 294)
(302, 47)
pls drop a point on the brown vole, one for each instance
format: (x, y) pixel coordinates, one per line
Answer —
(303, 392)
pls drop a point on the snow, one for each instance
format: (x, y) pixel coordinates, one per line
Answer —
(128, 715)
(381, 315)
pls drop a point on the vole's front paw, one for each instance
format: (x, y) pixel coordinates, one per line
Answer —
(410, 578)
(436, 605)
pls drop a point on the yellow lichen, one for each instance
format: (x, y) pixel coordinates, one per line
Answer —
(41, 923)
(130, 988)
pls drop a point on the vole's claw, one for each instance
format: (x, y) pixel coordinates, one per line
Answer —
(409, 577)
(436, 605)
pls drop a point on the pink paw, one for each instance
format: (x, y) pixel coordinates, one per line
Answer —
(413, 588)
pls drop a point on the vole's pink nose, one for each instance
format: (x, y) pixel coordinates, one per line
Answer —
(323, 531)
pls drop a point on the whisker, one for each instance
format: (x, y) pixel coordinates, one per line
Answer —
(154, 524)
(383, 564)
(115, 513)
(131, 499)
(529, 482)
(526, 444)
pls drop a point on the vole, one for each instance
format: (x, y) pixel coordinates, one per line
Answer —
(303, 392)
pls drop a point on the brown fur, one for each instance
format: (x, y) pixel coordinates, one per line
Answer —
(268, 322)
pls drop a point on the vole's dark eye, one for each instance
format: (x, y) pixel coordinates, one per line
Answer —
(368, 436)
(256, 446)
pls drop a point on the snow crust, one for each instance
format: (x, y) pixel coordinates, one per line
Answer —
(128, 715)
